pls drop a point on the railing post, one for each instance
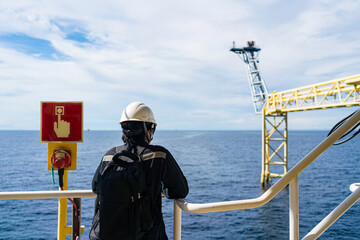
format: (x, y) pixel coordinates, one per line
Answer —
(76, 225)
(294, 209)
(177, 222)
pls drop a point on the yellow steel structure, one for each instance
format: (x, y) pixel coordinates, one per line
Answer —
(274, 144)
(343, 92)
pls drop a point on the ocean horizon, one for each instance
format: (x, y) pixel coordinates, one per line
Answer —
(220, 165)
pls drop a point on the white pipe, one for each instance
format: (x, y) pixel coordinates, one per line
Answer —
(47, 194)
(333, 216)
(294, 209)
(354, 186)
(279, 185)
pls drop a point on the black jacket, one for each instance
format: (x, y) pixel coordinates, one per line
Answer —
(163, 174)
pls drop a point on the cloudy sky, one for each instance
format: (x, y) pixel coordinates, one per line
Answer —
(172, 55)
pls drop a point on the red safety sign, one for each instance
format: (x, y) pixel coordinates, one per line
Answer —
(61, 122)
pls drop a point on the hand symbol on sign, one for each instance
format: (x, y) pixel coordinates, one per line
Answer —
(61, 127)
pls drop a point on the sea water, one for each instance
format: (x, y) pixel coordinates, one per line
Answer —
(219, 166)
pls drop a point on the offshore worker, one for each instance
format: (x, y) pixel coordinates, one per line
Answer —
(163, 174)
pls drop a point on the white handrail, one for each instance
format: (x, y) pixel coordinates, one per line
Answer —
(47, 194)
(354, 186)
(275, 189)
(279, 185)
(333, 216)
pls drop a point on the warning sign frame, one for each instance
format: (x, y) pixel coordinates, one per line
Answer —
(61, 121)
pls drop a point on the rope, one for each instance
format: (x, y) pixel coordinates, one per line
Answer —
(348, 132)
(53, 178)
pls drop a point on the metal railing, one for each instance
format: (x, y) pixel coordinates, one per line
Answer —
(334, 215)
(290, 178)
(76, 195)
(47, 194)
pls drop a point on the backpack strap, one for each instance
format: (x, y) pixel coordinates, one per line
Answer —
(108, 158)
(140, 150)
(124, 158)
(117, 149)
(108, 162)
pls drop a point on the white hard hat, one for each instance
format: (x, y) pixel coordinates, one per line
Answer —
(137, 111)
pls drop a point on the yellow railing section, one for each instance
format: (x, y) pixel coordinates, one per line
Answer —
(343, 92)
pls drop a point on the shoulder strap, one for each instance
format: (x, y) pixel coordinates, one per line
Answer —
(108, 161)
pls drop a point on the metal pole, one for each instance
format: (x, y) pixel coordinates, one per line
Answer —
(75, 224)
(286, 144)
(62, 211)
(263, 154)
(333, 216)
(177, 222)
(294, 209)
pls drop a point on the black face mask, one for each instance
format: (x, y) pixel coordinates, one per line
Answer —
(132, 129)
(132, 132)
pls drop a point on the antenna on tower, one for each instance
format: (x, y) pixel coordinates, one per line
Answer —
(249, 55)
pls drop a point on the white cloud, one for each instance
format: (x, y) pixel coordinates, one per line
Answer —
(172, 56)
